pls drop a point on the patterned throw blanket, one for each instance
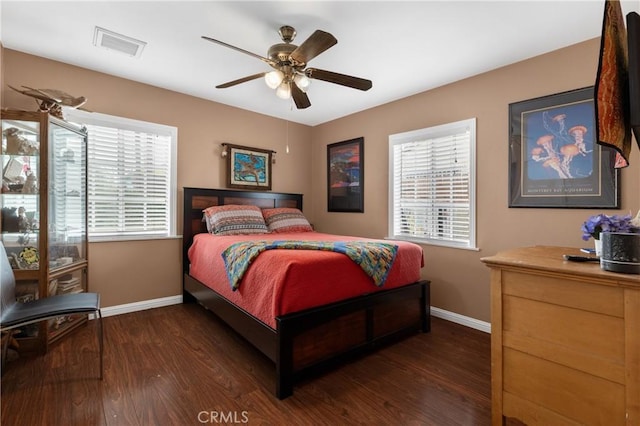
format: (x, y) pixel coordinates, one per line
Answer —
(374, 258)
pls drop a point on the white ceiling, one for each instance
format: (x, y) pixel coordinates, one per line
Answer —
(403, 47)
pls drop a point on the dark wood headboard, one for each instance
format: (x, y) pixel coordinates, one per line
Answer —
(198, 199)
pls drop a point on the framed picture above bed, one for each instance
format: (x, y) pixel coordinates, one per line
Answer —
(248, 168)
(554, 160)
(345, 176)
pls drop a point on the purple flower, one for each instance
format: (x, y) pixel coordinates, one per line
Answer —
(603, 223)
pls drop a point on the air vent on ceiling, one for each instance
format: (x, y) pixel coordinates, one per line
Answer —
(118, 42)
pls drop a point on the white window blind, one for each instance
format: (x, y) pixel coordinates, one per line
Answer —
(432, 185)
(67, 176)
(131, 177)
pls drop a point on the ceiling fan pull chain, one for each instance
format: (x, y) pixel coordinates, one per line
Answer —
(287, 128)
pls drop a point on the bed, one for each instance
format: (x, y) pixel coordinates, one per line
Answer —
(301, 340)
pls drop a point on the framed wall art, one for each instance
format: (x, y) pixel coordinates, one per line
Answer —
(248, 168)
(554, 160)
(345, 176)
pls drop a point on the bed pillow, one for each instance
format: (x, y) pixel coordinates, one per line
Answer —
(286, 219)
(235, 219)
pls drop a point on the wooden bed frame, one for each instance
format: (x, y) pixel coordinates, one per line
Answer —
(314, 339)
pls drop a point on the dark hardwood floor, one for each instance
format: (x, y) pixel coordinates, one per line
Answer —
(180, 365)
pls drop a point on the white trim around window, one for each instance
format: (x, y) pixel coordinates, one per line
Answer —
(132, 177)
(432, 185)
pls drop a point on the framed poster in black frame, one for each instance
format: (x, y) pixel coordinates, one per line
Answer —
(345, 176)
(554, 160)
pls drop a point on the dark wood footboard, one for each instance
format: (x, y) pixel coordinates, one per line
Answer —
(319, 338)
(314, 340)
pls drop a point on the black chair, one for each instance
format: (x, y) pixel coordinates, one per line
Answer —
(14, 314)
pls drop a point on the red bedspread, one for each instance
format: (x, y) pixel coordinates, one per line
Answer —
(285, 281)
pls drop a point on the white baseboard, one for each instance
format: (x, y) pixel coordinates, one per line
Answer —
(461, 319)
(140, 306)
(174, 300)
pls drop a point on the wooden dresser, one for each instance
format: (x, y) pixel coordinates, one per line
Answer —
(565, 340)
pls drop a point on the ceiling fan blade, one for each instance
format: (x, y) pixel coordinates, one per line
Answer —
(222, 43)
(342, 79)
(299, 97)
(240, 80)
(317, 43)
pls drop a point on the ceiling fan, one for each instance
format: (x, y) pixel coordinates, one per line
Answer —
(290, 77)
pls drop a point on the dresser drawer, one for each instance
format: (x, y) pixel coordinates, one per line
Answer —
(574, 395)
(565, 291)
(587, 341)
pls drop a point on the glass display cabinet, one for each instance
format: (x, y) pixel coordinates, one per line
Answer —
(44, 214)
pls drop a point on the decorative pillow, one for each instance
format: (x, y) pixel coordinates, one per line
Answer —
(235, 219)
(286, 219)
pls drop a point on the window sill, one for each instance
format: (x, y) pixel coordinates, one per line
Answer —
(132, 238)
(433, 243)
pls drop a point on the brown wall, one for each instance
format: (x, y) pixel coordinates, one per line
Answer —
(126, 272)
(143, 270)
(460, 282)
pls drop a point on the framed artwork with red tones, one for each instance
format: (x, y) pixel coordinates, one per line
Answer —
(554, 160)
(345, 176)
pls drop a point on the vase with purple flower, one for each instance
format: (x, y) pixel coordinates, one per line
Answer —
(595, 225)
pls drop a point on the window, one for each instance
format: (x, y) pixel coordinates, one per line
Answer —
(432, 185)
(131, 177)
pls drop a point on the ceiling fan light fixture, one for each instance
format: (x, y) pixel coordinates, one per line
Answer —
(289, 76)
(302, 81)
(273, 78)
(284, 90)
